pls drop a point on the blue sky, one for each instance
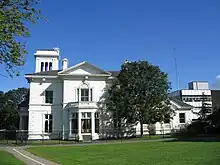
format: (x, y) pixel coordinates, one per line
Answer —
(106, 32)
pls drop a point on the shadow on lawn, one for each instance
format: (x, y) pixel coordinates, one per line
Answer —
(196, 139)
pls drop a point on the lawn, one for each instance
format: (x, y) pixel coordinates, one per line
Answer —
(8, 159)
(141, 153)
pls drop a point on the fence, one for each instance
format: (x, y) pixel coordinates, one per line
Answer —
(22, 137)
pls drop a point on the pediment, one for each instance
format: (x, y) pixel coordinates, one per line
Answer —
(84, 68)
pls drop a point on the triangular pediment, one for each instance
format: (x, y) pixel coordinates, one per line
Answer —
(84, 68)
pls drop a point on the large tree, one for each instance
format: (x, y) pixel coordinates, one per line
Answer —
(15, 16)
(140, 94)
(9, 105)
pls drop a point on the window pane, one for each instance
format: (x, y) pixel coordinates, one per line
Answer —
(50, 126)
(49, 97)
(88, 115)
(46, 126)
(182, 117)
(50, 66)
(42, 67)
(90, 94)
(96, 125)
(84, 94)
(46, 66)
(74, 126)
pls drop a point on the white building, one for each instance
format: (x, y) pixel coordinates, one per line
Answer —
(69, 102)
(196, 92)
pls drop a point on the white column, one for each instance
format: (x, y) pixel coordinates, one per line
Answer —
(93, 124)
(20, 123)
(70, 124)
(79, 126)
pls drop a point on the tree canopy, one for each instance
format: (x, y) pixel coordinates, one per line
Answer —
(9, 105)
(140, 94)
(15, 16)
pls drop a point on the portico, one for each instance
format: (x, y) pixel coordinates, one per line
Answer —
(83, 120)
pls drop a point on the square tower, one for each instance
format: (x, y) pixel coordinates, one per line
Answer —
(47, 59)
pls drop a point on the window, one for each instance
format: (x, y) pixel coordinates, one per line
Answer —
(48, 123)
(75, 123)
(90, 94)
(84, 94)
(86, 122)
(77, 94)
(49, 97)
(46, 66)
(97, 117)
(167, 119)
(42, 67)
(50, 66)
(182, 117)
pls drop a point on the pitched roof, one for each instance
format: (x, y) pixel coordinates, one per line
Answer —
(54, 73)
(46, 73)
(114, 73)
(81, 64)
(180, 103)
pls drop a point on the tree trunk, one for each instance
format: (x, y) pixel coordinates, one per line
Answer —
(142, 129)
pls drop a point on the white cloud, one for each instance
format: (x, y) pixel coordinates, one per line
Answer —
(216, 85)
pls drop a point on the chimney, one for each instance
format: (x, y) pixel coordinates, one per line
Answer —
(65, 63)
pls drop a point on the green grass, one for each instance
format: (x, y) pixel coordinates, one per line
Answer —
(8, 159)
(143, 153)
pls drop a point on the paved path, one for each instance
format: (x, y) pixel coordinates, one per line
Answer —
(30, 159)
(27, 157)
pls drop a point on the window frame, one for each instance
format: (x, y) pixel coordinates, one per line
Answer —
(48, 98)
(97, 122)
(84, 95)
(48, 118)
(181, 118)
(74, 120)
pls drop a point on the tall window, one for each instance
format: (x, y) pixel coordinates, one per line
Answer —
(48, 123)
(90, 94)
(86, 122)
(75, 123)
(84, 94)
(42, 67)
(97, 117)
(182, 117)
(50, 66)
(46, 66)
(78, 94)
(49, 97)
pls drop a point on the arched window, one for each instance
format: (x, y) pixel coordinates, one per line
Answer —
(83, 92)
(50, 66)
(42, 67)
(46, 66)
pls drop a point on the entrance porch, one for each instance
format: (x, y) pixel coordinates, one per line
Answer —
(84, 125)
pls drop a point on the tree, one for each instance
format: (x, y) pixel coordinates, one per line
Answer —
(115, 104)
(9, 104)
(141, 94)
(205, 108)
(15, 15)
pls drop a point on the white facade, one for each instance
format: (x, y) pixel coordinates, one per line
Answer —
(69, 103)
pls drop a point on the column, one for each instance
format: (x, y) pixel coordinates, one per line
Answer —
(79, 125)
(93, 124)
(70, 124)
